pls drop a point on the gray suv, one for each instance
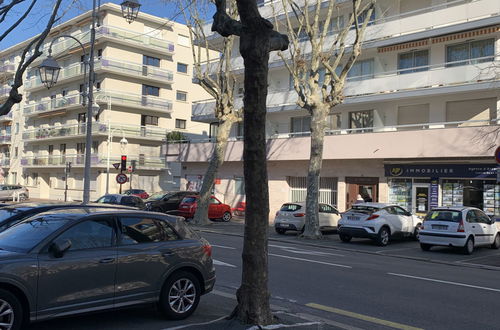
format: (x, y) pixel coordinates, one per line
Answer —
(71, 261)
(11, 191)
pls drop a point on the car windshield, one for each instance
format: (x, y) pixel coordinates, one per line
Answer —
(189, 200)
(158, 196)
(444, 215)
(363, 209)
(27, 234)
(106, 199)
(290, 207)
(6, 213)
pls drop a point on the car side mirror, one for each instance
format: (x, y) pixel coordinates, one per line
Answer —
(59, 248)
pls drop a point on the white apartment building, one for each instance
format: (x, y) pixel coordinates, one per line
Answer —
(417, 125)
(143, 87)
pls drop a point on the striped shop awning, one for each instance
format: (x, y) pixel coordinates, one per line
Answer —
(406, 45)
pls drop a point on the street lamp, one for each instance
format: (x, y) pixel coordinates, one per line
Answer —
(123, 149)
(49, 73)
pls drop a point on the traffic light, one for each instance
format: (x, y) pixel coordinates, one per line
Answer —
(124, 163)
(134, 164)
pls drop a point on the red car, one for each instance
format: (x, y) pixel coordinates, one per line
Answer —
(216, 209)
(137, 192)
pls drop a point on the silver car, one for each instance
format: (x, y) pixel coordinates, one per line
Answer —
(291, 216)
(12, 191)
(79, 260)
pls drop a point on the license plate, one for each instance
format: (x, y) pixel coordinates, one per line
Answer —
(353, 218)
(286, 225)
(439, 227)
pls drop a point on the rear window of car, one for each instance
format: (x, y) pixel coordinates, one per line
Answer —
(189, 200)
(290, 207)
(444, 215)
(364, 209)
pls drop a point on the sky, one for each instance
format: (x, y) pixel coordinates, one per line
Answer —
(37, 19)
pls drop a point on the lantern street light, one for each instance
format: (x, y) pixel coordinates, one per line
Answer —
(130, 9)
(49, 71)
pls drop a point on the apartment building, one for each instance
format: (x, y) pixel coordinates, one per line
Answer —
(417, 126)
(144, 91)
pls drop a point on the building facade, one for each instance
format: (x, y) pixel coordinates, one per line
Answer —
(418, 127)
(144, 91)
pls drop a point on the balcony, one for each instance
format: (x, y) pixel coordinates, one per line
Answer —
(429, 140)
(59, 103)
(7, 70)
(4, 91)
(5, 138)
(135, 70)
(7, 117)
(70, 72)
(5, 162)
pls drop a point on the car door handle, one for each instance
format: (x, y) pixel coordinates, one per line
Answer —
(473, 226)
(106, 260)
(168, 254)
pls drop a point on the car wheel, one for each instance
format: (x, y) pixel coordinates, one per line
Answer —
(226, 217)
(416, 232)
(23, 197)
(11, 311)
(383, 236)
(425, 247)
(345, 238)
(469, 246)
(496, 242)
(180, 295)
(280, 231)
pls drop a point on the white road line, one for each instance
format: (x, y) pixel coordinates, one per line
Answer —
(280, 326)
(325, 320)
(482, 257)
(302, 251)
(194, 324)
(391, 250)
(446, 282)
(306, 260)
(220, 263)
(224, 247)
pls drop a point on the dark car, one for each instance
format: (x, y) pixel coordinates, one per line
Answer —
(14, 213)
(166, 201)
(137, 192)
(72, 261)
(127, 200)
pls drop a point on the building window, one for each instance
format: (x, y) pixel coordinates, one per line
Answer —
(149, 60)
(34, 179)
(16, 152)
(150, 90)
(149, 120)
(240, 130)
(51, 150)
(336, 23)
(471, 52)
(99, 53)
(182, 68)
(17, 128)
(98, 85)
(181, 96)
(239, 186)
(414, 61)
(300, 125)
(214, 128)
(80, 148)
(95, 147)
(327, 189)
(362, 17)
(361, 70)
(359, 120)
(333, 121)
(180, 123)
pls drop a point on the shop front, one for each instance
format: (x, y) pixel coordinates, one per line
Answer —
(421, 187)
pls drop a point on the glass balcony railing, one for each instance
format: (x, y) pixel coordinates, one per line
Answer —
(7, 69)
(134, 69)
(68, 72)
(5, 162)
(5, 90)
(134, 100)
(7, 117)
(52, 104)
(42, 133)
(5, 138)
(142, 162)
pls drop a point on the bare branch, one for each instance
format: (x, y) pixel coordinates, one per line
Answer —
(13, 26)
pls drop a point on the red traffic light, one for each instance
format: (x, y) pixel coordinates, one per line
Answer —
(123, 163)
(124, 158)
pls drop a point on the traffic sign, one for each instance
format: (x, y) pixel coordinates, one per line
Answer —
(116, 165)
(129, 169)
(121, 178)
(497, 155)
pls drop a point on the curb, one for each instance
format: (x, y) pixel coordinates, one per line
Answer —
(302, 243)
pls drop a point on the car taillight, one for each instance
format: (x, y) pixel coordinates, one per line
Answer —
(207, 249)
(373, 217)
(422, 226)
(461, 228)
(298, 215)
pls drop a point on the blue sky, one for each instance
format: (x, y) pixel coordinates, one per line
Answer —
(38, 17)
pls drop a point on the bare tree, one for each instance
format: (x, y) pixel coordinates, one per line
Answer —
(257, 40)
(32, 50)
(316, 47)
(218, 80)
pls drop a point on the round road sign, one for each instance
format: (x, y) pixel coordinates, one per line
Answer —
(497, 155)
(121, 178)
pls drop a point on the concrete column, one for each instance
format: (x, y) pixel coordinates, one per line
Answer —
(341, 194)
(437, 112)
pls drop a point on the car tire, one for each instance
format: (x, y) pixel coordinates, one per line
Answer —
(23, 197)
(496, 242)
(226, 217)
(425, 247)
(13, 310)
(280, 231)
(180, 295)
(345, 238)
(416, 232)
(469, 246)
(383, 236)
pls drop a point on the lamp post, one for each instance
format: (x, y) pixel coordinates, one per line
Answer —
(49, 73)
(123, 147)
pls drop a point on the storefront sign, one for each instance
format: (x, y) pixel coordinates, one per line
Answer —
(484, 171)
(433, 191)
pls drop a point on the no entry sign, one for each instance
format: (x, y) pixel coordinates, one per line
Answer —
(121, 178)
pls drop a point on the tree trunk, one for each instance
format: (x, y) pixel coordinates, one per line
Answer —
(318, 120)
(201, 215)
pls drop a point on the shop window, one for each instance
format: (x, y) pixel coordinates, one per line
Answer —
(414, 61)
(484, 195)
(361, 121)
(471, 52)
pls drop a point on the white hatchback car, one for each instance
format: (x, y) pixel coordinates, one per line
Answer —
(464, 227)
(378, 221)
(291, 216)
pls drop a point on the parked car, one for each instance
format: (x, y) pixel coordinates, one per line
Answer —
(216, 209)
(119, 258)
(137, 192)
(165, 201)
(378, 221)
(8, 192)
(292, 216)
(464, 227)
(127, 200)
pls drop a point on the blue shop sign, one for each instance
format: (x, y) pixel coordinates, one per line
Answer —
(479, 171)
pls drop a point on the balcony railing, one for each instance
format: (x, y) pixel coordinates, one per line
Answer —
(135, 131)
(5, 138)
(5, 162)
(7, 117)
(5, 90)
(134, 69)
(7, 69)
(135, 100)
(52, 104)
(71, 71)
(78, 160)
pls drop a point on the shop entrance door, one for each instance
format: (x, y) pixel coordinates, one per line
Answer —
(365, 186)
(420, 198)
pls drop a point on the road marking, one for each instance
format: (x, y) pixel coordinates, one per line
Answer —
(195, 324)
(233, 296)
(326, 321)
(301, 251)
(362, 317)
(223, 247)
(482, 257)
(220, 263)
(306, 260)
(279, 326)
(391, 250)
(446, 282)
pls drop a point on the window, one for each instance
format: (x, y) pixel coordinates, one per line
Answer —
(182, 68)
(34, 179)
(149, 120)
(333, 121)
(471, 52)
(150, 90)
(99, 53)
(414, 61)
(239, 186)
(16, 150)
(327, 189)
(415, 114)
(183, 40)
(89, 234)
(476, 112)
(149, 60)
(180, 123)
(300, 125)
(62, 148)
(51, 150)
(80, 148)
(325, 208)
(214, 127)
(361, 70)
(17, 128)
(336, 23)
(181, 96)
(140, 230)
(362, 17)
(240, 130)
(361, 119)
(95, 147)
